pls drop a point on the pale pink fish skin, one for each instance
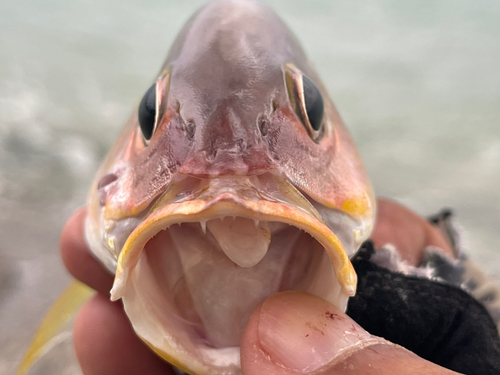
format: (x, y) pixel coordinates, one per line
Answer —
(224, 87)
(227, 121)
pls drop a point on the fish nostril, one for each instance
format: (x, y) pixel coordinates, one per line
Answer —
(263, 124)
(275, 105)
(190, 128)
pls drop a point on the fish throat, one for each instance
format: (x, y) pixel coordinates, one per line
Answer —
(212, 279)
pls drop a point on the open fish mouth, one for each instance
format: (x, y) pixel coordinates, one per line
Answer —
(191, 274)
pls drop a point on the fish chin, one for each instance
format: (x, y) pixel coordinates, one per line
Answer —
(186, 294)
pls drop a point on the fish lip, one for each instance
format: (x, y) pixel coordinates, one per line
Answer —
(230, 204)
(288, 205)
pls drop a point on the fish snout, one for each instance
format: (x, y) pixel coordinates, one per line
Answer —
(236, 158)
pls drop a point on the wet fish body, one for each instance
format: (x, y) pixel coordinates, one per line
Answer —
(233, 179)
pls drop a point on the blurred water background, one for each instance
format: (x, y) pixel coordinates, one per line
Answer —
(417, 82)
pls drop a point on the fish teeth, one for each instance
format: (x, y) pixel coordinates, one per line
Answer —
(203, 224)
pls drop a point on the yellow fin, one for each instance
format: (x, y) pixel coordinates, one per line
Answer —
(59, 314)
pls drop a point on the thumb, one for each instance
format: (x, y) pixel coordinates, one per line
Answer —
(296, 332)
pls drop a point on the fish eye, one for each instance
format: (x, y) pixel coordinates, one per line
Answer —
(306, 100)
(153, 106)
(147, 113)
(313, 102)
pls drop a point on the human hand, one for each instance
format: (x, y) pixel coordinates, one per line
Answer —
(280, 334)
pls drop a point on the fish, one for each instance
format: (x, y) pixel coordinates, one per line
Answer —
(233, 179)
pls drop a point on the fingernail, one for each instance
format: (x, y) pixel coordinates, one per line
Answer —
(303, 332)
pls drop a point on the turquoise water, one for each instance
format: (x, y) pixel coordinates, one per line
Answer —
(418, 84)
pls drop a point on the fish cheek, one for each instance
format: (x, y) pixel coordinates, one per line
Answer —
(288, 141)
(154, 167)
(306, 163)
(146, 170)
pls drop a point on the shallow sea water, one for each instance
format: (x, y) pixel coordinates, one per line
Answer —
(417, 83)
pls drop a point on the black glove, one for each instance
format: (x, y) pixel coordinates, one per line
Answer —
(436, 321)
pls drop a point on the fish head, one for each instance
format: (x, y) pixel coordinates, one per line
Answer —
(234, 178)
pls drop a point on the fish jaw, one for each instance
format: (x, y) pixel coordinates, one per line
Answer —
(161, 212)
(175, 260)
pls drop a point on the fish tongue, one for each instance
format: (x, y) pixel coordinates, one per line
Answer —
(243, 240)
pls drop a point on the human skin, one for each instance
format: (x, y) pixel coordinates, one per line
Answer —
(280, 334)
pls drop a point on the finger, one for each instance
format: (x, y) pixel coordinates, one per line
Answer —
(407, 231)
(78, 259)
(105, 343)
(295, 332)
